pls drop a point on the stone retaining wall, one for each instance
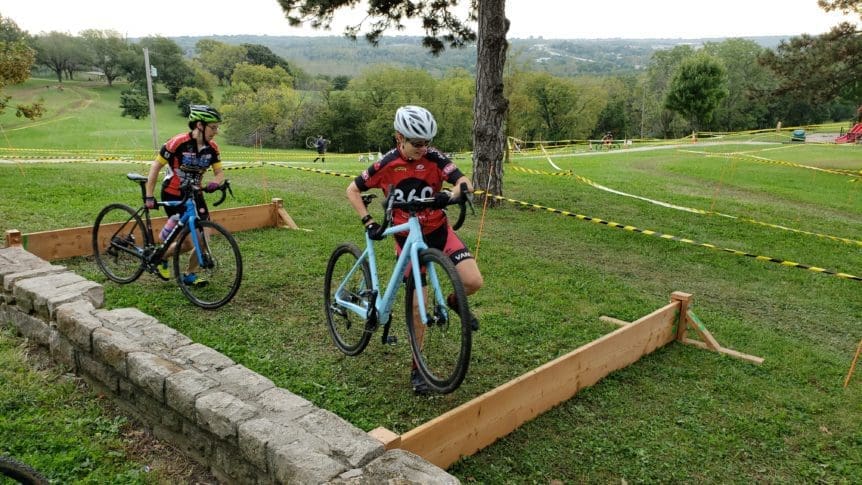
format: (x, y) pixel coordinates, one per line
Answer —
(225, 416)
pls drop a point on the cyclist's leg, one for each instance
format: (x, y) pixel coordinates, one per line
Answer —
(193, 266)
(468, 270)
(441, 343)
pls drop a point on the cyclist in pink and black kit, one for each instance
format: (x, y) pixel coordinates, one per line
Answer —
(417, 170)
(187, 157)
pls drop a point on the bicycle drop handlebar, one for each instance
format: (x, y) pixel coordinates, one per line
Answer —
(224, 188)
(414, 205)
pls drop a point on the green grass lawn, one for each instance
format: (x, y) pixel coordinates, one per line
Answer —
(681, 414)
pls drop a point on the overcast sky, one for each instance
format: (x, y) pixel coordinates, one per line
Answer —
(551, 19)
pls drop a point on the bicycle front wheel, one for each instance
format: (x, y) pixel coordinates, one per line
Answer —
(119, 238)
(19, 472)
(216, 281)
(441, 345)
(346, 327)
(311, 142)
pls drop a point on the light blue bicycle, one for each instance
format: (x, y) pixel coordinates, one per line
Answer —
(441, 339)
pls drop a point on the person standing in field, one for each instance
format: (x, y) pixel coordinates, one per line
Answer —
(320, 143)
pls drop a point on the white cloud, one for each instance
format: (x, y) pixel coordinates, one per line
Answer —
(546, 18)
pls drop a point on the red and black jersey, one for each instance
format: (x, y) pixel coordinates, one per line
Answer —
(411, 179)
(186, 162)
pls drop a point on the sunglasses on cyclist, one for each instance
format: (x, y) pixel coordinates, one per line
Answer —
(418, 143)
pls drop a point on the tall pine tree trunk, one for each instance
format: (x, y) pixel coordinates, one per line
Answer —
(490, 106)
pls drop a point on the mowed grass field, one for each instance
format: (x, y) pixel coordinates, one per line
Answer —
(681, 414)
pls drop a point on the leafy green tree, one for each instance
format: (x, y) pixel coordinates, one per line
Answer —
(442, 26)
(259, 76)
(167, 57)
(55, 50)
(202, 79)
(657, 119)
(262, 117)
(697, 88)
(819, 68)
(340, 83)
(346, 122)
(81, 58)
(189, 96)
(619, 112)
(744, 107)
(106, 47)
(16, 59)
(453, 102)
(220, 58)
(134, 103)
(263, 56)
(545, 107)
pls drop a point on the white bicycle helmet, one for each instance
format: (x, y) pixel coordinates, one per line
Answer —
(415, 122)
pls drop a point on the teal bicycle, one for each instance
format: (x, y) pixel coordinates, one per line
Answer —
(124, 247)
(441, 339)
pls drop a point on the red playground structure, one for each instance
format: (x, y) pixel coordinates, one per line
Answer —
(852, 136)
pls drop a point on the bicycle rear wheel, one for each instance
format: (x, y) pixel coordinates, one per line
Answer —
(217, 280)
(347, 328)
(441, 346)
(119, 238)
(19, 472)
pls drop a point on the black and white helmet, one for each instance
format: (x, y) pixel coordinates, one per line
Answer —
(415, 122)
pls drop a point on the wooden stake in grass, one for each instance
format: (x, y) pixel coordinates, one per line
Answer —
(853, 365)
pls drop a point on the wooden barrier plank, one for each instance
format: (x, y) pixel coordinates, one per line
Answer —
(77, 241)
(481, 421)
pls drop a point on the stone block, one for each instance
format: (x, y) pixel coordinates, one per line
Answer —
(296, 463)
(112, 347)
(77, 323)
(202, 358)
(283, 405)
(399, 466)
(346, 441)
(228, 459)
(149, 372)
(99, 372)
(30, 326)
(62, 351)
(43, 294)
(45, 269)
(220, 413)
(244, 383)
(183, 388)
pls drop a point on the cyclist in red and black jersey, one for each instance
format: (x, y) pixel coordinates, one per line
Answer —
(417, 170)
(187, 157)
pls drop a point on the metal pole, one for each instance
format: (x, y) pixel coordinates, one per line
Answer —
(150, 96)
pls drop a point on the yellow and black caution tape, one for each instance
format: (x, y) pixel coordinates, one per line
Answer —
(690, 209)
(749, 158)
(243, 167)
(671, 237)
(314, 170)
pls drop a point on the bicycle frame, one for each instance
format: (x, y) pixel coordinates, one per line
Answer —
(409, 255)
(188, 218)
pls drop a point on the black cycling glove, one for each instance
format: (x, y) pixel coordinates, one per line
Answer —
(375, 231)
(441, 200)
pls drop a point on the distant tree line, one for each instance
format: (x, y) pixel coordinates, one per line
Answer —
(730, 85)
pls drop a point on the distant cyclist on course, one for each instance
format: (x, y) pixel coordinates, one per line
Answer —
(320, 143)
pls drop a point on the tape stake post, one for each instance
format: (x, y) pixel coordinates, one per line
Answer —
(484, 211)
(853, 365)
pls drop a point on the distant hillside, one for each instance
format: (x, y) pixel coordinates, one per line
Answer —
(336, 55)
